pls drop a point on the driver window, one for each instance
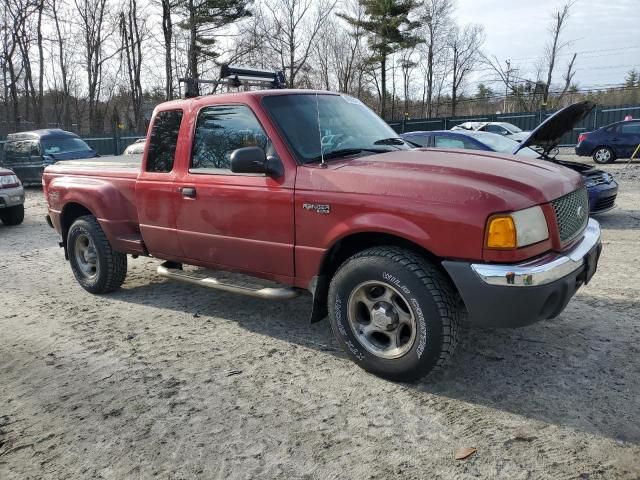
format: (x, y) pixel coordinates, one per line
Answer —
(220, 130)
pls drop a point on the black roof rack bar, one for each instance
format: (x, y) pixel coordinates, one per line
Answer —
(236, 77)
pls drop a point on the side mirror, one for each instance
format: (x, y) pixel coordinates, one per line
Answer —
(254, 160)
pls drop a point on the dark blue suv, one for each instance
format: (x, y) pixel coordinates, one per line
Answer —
(605, 145)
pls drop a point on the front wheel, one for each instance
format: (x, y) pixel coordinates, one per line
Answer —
(12, 215)
(96, 266)
(394, 313)
(603, 155)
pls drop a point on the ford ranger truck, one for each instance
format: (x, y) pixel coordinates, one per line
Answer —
(313, 191)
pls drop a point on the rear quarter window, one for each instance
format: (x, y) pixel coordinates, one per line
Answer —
(163, 140)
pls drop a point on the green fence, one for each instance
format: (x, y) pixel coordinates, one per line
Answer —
(599, 116)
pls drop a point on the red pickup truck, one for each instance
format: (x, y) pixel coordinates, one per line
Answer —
(315, 192)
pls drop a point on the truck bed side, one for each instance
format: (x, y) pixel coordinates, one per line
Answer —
(105, 189)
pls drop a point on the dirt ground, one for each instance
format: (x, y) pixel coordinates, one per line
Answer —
(163, 380)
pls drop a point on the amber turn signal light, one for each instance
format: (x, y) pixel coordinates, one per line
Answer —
(501, 233)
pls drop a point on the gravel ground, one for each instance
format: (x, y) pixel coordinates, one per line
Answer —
(163, 380)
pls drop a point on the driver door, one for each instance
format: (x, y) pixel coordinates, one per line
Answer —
(241, 222)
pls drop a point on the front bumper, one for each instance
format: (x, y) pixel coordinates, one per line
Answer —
(10, 197)
(501, 295)
(602, 198)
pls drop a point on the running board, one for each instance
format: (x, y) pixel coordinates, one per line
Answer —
(195, 278)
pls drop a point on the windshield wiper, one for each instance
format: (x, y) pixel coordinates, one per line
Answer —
(345, 152)
(389, 141)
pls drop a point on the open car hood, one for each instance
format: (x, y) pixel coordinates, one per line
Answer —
(548, 134)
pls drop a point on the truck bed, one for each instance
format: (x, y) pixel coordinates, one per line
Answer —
(106, 187)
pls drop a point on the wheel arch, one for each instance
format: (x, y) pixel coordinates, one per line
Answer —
(70, 213)
(347, 246)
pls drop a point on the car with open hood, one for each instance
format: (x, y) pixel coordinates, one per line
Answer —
(28, 153)
(541, 143)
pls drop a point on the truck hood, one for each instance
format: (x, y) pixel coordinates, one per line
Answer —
(549, 133)
(459, 176)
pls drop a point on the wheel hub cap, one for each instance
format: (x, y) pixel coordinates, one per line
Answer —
(381, 319)
(384, 316)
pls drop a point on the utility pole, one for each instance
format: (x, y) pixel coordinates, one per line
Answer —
(506, 87)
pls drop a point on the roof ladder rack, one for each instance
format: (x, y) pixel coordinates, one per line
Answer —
(236, 77)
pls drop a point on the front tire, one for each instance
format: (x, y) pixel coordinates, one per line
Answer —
(12, 215)
(96, 266)
(394, 313)
(604, 155)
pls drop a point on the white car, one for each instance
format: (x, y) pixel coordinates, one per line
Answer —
(501, 128)
(136, 148)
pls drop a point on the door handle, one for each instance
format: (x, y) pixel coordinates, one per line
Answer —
(188, 192)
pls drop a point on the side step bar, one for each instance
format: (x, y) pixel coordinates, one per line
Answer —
(282, 293)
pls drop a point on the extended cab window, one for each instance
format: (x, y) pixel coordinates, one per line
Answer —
(221, 130)
(163, 140)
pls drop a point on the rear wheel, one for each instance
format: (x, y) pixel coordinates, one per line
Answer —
(96, 266)
(12, 215)
(604, 155)
(394, 313)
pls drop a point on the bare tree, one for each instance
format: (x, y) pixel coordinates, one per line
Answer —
(465, 54)
(555, 45)
(290, 28)
(132, 31)
(436, 21)
(95, 28)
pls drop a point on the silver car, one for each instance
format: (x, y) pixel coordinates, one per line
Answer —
(11, 198)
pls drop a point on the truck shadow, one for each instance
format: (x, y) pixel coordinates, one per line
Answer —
(572, 371)
(619, 219)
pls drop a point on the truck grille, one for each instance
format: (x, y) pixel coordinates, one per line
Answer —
(572, 213)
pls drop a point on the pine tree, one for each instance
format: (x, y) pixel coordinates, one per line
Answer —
(389, 29)
(632, 80)
(203, 19)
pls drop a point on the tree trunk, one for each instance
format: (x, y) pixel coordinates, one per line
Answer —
(167, 31)
(193, 47)
(383, 83)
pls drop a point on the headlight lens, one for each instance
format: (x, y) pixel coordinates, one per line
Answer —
(518, 229)
(9, 181)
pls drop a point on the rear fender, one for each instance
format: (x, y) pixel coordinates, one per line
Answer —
(115, 213)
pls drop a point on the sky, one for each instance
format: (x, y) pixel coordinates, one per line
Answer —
(605, 34)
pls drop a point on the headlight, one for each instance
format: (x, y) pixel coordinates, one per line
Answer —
(9, 181)
(517, 229)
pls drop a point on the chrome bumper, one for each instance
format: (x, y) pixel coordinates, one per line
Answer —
(541, 270)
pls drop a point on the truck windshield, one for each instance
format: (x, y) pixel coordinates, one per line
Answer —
(63, 145)
(317, 125)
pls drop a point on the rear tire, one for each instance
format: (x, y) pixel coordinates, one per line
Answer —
(394, 313)
(12, 215)
(96, 266)
(604, 155)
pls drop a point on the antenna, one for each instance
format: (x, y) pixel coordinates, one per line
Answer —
(322, 162)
